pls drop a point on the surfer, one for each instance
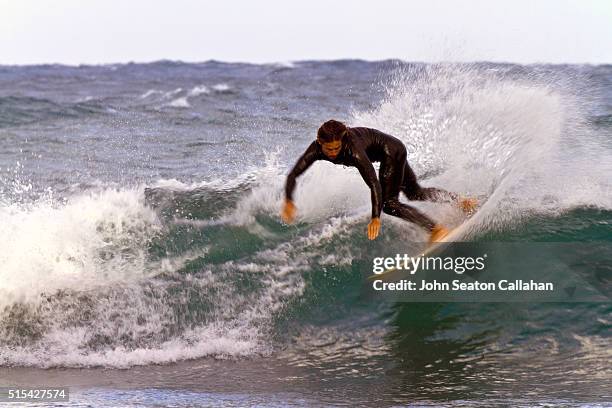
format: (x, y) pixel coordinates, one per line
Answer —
(359, 147)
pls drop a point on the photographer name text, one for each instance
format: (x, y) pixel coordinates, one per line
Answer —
(462, 286)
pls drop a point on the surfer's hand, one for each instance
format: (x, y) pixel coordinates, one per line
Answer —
(468, 205)
(288, 212)
(373, 228)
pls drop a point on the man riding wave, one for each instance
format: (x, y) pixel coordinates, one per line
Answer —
(359, 147)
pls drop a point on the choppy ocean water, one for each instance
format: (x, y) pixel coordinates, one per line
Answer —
(142, 261)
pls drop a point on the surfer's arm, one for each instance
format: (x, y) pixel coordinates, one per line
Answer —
(366, 169)
(302, 164)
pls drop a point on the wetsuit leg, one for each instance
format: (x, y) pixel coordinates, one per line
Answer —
(391, 174)
(415, 192)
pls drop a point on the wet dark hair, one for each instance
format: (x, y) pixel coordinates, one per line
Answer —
(331, 130)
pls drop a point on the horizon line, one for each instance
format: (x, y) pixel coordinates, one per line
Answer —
(281, 62)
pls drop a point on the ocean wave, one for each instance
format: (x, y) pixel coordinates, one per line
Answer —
(103, 273)
(285, 64)
(100, 272)
(161, 93)
(199, 90)
(119, 276)
(181, 102)
(172, 93)
(20, 110)
(178, 98)
(151, 92)
(222, 88)
(511, 140)
(92, 239)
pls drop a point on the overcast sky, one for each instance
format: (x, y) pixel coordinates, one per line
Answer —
(109, 31)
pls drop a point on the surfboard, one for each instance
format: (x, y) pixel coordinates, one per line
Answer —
(455, 235)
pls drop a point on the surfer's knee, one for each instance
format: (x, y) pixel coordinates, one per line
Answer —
(391, 207)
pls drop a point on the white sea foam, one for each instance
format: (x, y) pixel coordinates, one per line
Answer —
(151, 92)
(91, 239)
(170, 94)
(78, 276)
(519, 143)
(285, 64)
(181, 102)
(199, 90)
(85, 99)
(63, 349)
(221, 87)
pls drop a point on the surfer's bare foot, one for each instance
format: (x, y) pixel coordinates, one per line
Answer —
(468, 205)
(437, 233)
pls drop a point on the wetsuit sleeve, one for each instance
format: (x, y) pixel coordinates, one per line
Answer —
(366, 169)
(304, 162)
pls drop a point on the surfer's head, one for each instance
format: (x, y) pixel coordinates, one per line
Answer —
(330, 136)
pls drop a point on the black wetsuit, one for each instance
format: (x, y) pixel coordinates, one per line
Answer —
(362, 146)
